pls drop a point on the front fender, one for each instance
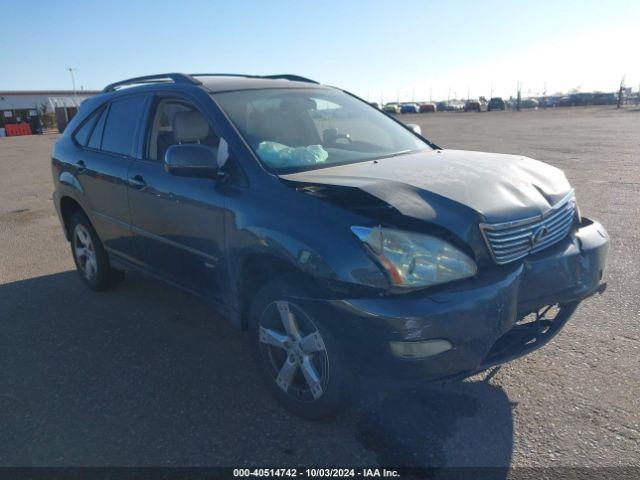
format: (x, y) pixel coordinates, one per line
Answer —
(310, 235)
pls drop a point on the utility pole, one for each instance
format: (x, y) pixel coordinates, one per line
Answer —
(430, 94)
(491, 93)
(519, 97)
(621, 92)
(73, 83)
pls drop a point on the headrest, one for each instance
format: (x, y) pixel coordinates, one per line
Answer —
(190, 127)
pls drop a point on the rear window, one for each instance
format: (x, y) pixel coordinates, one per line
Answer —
(120, 128)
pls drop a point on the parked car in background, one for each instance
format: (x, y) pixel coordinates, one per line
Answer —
(444, 107)
(454, 105)
(472, 106)
(235, 189)
(529, 103)
(581, 99)
(576, 100)
(374, 105)
(600, 98)
(564, 101)
(496, 103)
(409, 108)
(549, 102)
(391, 107)
(428, 107)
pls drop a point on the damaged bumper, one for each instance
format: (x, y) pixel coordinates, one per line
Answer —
(499, 315)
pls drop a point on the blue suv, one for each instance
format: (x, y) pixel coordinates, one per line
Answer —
(344, 241)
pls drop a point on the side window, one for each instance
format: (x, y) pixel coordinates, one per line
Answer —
(178, 122)
(84, 132)
(120, 128)
(96, 136)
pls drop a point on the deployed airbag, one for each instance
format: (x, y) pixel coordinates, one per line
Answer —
(279, 155)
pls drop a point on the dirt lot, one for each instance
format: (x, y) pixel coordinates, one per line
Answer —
(144, 375)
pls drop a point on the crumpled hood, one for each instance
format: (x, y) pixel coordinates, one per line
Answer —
(498, 187)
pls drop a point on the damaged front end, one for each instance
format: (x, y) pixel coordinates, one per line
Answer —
(457, 328)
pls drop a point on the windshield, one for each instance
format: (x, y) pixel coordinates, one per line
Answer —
(293, 130)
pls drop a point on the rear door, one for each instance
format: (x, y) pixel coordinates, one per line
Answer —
(108, 140)
(178, 221)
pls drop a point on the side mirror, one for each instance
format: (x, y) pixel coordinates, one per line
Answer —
(415, 128)
(191, 160)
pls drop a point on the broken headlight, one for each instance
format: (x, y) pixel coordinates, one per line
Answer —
(415, 259)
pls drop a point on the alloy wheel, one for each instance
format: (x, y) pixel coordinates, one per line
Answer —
(294, 351)
(84, 251)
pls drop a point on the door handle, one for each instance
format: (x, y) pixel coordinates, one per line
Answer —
(137, 182)
(81, 166)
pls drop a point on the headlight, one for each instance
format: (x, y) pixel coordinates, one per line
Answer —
(416, 259)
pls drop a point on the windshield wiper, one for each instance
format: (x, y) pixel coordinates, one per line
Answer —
(402, 152)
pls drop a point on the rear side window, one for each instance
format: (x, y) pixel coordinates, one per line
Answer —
(120, 128)
(83, 134)
(96, 136)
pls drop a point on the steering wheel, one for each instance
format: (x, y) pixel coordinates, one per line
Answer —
(331, 136)
(342, 136)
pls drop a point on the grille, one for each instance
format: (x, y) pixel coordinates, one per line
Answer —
(511, 241)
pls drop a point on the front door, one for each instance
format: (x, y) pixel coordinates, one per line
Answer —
(178, 221)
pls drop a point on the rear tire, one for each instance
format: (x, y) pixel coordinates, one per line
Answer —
(299, 359)
(89, 255)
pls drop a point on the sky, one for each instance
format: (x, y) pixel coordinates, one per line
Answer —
(377, 49)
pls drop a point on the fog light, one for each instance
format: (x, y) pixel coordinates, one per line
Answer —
(414, 350)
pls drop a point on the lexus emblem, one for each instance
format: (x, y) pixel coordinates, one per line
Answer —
(539, 235)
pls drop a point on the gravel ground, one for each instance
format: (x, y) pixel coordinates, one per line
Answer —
(145, 375)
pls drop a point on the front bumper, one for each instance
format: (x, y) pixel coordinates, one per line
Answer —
(481, 317)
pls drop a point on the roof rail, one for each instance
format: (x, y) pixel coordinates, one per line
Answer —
(222, 75)
(288, 76)
(163, 77)
(283, 76)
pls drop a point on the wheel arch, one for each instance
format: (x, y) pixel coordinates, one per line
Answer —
(69, 206)
(259, 268)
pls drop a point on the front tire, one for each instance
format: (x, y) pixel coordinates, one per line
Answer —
(299, 359)
(90, 257)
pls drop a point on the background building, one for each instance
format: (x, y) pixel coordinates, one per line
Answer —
(34, 106)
